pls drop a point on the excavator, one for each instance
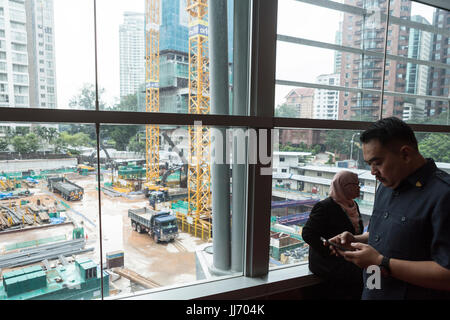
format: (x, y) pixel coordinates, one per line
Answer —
(160, 191)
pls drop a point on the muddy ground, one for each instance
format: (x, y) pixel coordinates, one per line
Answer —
(163, 263)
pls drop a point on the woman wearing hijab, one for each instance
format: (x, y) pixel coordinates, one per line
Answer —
(331, 216)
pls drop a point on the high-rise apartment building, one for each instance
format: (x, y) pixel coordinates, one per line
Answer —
(419, 48)
(27, 57)
(439, 82)
(337, 53)
(326, 102)
(365, 71)
(14, 79)
(132, 53)
(41, 54)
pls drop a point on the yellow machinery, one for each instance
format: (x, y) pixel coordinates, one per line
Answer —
(199, 172)
(84, 169)
(152, 16)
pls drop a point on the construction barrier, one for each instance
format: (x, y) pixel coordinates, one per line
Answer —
(195, 226)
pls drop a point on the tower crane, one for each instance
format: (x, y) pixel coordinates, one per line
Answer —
(152, 23)
(199, 172)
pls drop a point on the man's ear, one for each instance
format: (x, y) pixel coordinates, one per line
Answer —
(406, 153)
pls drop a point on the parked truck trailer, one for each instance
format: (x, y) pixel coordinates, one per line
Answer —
(67, 189)
(160, 225)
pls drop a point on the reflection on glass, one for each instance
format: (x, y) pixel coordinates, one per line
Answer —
(303, 168)
(49, 213)
(418, 53)
(306, 163)
(416, 67)
(348, 56)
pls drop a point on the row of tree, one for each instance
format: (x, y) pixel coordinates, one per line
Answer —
(71, 137)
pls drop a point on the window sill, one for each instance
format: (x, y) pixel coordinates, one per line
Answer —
(238, 288)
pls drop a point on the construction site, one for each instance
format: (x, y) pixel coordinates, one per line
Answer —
(71, 229)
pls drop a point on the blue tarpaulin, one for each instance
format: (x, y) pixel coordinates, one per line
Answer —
(5, 195)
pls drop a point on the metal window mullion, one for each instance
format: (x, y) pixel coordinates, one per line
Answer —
(262, 100)
(37, 115)
(358, 90)
(416, 25)
(364, 12)
(97, 131)
(326, 45)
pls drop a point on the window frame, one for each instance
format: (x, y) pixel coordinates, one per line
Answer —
(257, 280)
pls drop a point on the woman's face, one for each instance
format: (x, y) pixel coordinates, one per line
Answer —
(352, 190)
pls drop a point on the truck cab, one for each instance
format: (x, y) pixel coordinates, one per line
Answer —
(164, 227)
(160, 225)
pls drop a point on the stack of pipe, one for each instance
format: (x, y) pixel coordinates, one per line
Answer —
(40, 253)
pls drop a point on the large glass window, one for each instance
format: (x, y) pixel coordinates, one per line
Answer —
(165, 191)
(354, 65)
(143, 159)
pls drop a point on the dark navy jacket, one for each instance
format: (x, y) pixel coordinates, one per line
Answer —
(412, 223)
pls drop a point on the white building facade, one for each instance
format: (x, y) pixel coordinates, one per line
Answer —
(419, 47)
(41, 53)
(132, 53)
(14, 80)
(326, 101)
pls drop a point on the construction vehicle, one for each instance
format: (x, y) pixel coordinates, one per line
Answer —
(160, 225)
(157, 197)
(67, 189)
(83, 169)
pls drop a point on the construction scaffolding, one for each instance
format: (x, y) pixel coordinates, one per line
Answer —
(152, 24)
(199, 172)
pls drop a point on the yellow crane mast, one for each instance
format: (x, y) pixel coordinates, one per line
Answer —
(152, 23)
(199, 172)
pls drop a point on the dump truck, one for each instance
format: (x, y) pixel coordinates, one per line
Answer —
(67, 189)
(160, 225)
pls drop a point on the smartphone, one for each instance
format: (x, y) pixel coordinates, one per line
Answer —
(336, 245)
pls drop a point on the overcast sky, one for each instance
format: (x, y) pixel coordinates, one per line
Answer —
(74, 36)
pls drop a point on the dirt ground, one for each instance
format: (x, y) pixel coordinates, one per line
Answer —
(164, 263)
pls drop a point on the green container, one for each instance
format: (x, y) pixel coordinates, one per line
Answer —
(78, 233)
(54, 214)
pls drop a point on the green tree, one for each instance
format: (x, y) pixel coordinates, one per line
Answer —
(52, 135)
(286, 111)
(20, 144)
(127, 103)
(436, 146)
(3, 144)
(33, 142)
(121, 135)
(339, 142)
(86, 98)
(136, 144)
(26, 144)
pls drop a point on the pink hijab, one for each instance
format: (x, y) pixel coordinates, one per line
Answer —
(340, 195)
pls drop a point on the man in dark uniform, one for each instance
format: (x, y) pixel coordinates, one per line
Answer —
(409, 231)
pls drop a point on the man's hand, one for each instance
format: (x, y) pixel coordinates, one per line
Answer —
(344, 239)
(364, 255)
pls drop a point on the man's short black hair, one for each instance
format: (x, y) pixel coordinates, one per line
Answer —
(390, 130)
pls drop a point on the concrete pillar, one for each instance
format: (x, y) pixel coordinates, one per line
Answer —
(220, 176)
